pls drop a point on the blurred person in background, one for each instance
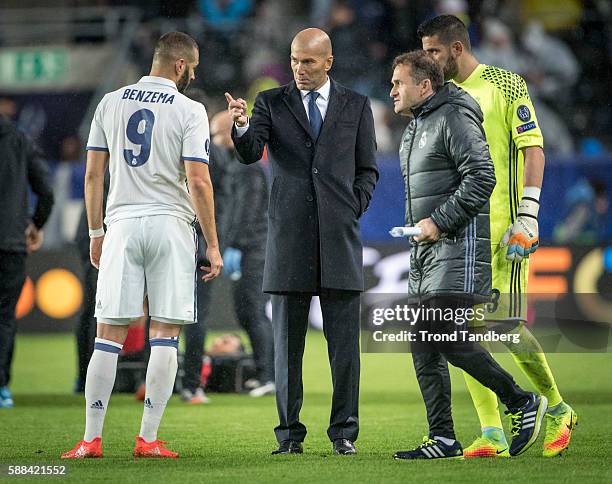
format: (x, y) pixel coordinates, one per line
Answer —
(195, 334)
(384, 135)
(586, 204)
(225, 15)
(21, 169)
(62, 175)
(544, 61)
(8, 108)
(224, 27)
(499, 48)
(85, 331)
(353, 63)
(226, 344)
(554, 69)
(244, 253)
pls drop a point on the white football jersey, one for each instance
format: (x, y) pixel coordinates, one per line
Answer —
(149, 129)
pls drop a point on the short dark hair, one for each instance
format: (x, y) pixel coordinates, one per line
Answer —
(448, 28)
(422, 66)
(175, 45)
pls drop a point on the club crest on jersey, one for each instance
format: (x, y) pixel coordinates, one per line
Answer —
(423, 140)
(523, 113)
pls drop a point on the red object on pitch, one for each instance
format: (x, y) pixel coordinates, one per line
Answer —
(141, 392)
(206, 371)
(155, 449)
(135, 340)
(85, 450)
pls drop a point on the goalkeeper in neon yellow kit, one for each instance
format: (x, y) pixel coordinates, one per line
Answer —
(516, 147)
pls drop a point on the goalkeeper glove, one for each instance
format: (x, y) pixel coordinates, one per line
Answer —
(522, 236)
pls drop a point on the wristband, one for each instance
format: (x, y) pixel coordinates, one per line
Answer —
(94, 233)
(528, 207)
(532, 192)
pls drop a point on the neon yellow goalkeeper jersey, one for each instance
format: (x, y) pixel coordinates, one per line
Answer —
(510, 124)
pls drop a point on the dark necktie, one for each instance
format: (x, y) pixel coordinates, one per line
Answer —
(314, 114)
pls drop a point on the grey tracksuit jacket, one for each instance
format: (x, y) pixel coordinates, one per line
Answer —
(449, 176)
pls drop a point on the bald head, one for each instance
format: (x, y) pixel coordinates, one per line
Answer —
(311, 58)
(221, 129)
(312, 40)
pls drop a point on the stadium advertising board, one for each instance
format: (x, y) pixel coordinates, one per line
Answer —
(576, 280)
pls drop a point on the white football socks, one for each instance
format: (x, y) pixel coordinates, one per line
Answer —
(161, 373)
(99, 385)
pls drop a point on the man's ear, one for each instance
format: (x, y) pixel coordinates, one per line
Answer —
(179, 66)
(457, 48)
(328, 63)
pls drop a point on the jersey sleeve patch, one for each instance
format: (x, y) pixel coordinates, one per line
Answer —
(521, 116)
(523, 113)
(526, 127)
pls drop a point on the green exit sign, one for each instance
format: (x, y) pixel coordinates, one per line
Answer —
(33, 66)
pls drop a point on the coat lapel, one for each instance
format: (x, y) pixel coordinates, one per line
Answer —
(337, 99)
(293, 100)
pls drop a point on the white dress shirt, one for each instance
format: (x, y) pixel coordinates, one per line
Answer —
(322, 102)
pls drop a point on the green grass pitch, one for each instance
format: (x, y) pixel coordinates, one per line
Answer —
(230, 440)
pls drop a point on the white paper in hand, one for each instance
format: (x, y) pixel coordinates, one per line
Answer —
(405, 231)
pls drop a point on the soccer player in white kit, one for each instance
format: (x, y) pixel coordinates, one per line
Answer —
(156, 143)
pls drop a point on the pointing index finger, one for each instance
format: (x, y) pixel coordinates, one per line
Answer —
(229, 97)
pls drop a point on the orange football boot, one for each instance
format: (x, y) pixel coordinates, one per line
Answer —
(85, 450)
(155, 449)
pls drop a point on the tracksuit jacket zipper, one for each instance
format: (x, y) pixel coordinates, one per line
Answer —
(416, 246)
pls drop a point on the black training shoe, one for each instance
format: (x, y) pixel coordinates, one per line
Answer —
(344, 447)
(289, 447)
(526, 422)
(432, 449)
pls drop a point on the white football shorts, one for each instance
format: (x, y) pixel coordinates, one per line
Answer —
(154, 256)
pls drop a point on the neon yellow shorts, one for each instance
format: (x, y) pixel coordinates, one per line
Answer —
(509, 297)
